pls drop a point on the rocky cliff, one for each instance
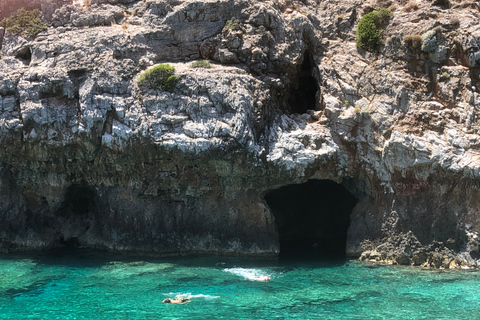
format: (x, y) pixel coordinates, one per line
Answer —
(48, 7)
(380, 146)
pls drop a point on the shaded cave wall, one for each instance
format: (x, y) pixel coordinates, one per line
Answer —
(186, 205)
(212, 205)
(420, 223)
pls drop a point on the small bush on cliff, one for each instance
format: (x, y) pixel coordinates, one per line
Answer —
(364, 112)
(25, 22)
(161, 76)
(444, 76)
(411, 6)
(370, 29)
(413, 40)
(454, 22)
(233, 24)
(261, 30)
(201, 64)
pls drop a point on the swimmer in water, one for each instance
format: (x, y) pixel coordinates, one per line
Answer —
(261, 278)
(177, 300)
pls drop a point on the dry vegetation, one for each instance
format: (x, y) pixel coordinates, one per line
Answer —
(413, 40)
(411, 6)
(125, 25)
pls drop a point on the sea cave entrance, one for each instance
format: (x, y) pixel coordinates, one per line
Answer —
(312, 218)
(80, 206)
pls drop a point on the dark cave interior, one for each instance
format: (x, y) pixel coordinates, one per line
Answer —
(80, 199)
(302, 96)
(24, 54)
(79, 207)
(312, 218)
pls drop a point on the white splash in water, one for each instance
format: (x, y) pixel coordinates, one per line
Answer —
(249, 274)
(190, 296)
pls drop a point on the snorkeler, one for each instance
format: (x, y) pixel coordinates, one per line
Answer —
(261, 278)
(177, 300)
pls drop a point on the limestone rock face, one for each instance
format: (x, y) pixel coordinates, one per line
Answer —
(89, 158)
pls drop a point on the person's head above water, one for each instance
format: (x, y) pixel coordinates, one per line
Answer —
(177, 300)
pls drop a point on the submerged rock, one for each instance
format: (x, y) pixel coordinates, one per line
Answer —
(91, 159)
(124, 270)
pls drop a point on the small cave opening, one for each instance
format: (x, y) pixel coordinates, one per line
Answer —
(80, 199)
(24, 54)
(77, 73)
(78, 210)
(312, 218)
(303, 95)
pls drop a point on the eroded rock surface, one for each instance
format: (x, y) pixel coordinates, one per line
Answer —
(89, 159)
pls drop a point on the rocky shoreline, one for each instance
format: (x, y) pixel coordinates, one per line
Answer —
(89, 158)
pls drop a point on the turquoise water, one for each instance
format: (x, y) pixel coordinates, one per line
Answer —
(95, 285)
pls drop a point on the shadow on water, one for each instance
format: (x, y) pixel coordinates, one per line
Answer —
(309, 259)
(94, 258)
(68, 257)
(34, 289)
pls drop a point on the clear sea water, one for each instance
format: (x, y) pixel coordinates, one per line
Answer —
(88, 284)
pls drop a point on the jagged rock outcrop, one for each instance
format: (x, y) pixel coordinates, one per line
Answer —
(88, 158)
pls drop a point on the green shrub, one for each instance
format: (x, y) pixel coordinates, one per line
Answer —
(383, 16)
(201, 64)
(364, 112)
(25, 22)
(444, 76)
(161, 76)
(233, 24)
(261, 30)
(454, 48)
(370, 29)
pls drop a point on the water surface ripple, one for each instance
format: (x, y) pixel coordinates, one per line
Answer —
(95, 285)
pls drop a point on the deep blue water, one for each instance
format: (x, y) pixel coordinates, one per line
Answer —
(94, 285)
